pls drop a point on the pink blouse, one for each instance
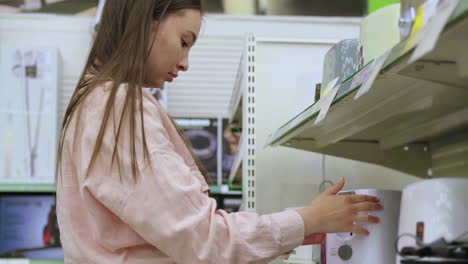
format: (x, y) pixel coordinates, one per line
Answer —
(166, 216)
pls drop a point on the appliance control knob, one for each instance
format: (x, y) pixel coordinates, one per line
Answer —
(345, 252)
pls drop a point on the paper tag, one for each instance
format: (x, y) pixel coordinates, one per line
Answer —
(329, 86)
(327, 100)
(423, 15)
(417, 26)
(378, 65)
(434, 28)
(362, 76)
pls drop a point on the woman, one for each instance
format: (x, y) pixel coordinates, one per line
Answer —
(129, 189)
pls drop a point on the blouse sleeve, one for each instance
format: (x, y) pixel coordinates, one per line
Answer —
(168, 209)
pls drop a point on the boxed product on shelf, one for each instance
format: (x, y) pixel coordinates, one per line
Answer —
(342, 60)
(28, 114)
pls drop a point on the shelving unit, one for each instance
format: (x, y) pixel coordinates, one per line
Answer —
(261, 101)
(413, 119)
(235, 177)
(235, 106)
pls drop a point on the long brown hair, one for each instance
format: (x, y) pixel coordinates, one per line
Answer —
(118, 54)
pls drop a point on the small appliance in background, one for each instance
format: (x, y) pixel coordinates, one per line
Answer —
(379, 246)
(342, 61)
(434, 222)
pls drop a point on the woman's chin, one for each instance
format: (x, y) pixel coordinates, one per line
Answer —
(154, 84)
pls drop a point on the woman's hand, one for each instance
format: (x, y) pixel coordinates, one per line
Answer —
(331, 213)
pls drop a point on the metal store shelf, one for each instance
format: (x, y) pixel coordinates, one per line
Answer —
(235, 177)
(235, 106)
(409, 108)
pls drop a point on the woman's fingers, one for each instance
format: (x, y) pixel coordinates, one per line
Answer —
(367, 206)
(363, 198)
(366, 218)
(360, 231)
(335, 188)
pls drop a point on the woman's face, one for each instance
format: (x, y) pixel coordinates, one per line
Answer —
(175, 36)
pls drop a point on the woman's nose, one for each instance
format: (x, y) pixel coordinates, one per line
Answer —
(183, 64)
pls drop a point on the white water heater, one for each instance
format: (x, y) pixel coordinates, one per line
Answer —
(432, 210)
(379, 246)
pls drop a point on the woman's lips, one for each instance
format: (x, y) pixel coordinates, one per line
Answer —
(171, 77)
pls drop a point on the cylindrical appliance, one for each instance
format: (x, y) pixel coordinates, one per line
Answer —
(379, 246)
(380, 32)
(432, 210)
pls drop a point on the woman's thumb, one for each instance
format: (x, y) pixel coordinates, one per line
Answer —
(335, 188)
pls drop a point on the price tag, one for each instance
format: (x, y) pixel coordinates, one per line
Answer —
(378, 65)
(362, 76)
(327, 100)
(329, 86)
(434, 28)
(423, 15)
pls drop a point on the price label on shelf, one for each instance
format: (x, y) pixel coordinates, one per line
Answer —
(423, 15)
(332, 90)
(431, 33)
(362, 76)
(378, 65)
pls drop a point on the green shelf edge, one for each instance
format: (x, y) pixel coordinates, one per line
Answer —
(216, 189)
(36, 261)
(32, 188)
(47, 261)
(396, 56)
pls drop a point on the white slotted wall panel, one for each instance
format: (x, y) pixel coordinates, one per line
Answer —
(205, 90)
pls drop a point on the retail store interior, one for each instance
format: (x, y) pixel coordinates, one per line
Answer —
(282, 99)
